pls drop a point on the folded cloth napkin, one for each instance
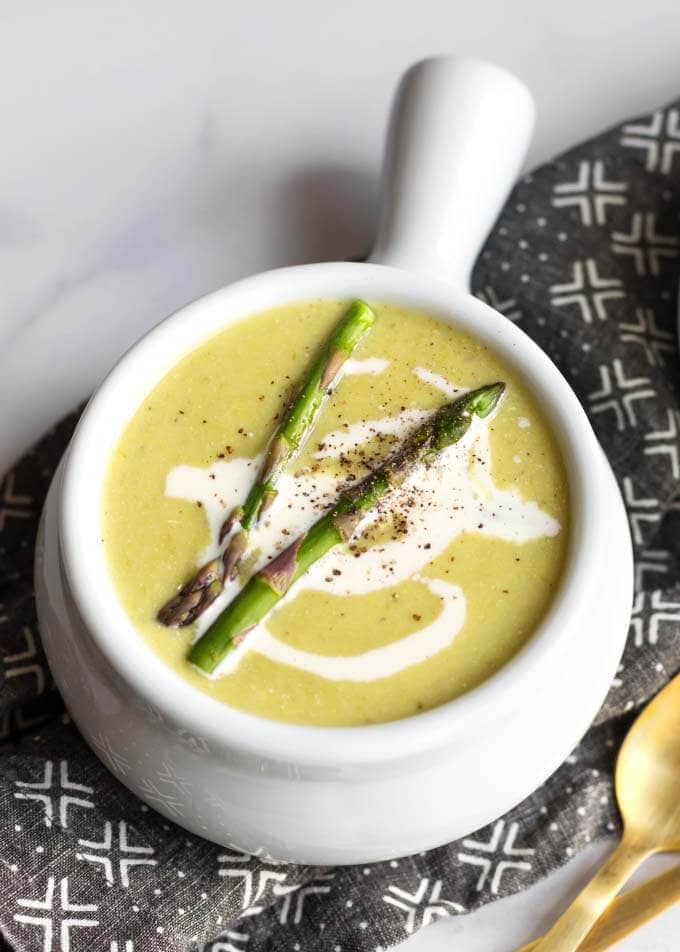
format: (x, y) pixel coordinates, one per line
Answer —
(584, 258)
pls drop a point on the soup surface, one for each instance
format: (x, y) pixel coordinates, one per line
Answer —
(431, 598)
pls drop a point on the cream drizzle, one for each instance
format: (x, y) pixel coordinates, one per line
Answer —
(454, 495)
(369, 365)
(378, 662)
(437, 381)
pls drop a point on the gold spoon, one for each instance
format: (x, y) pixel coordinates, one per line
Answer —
(648, 792)
(629, 912)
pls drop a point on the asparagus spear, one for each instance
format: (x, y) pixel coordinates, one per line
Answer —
(202, 590)
(339, 524)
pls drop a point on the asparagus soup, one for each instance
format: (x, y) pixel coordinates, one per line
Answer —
(376, 507)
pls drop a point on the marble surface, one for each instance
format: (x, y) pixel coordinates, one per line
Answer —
(152, 151)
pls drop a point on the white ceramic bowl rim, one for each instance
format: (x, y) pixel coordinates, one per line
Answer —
(138, 372)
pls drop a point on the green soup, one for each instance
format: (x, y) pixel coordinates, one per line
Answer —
(403, 621)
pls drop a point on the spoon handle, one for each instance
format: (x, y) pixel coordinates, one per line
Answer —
(629, 912)
(577, 921)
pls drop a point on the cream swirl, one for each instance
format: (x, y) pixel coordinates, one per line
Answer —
(455, 495)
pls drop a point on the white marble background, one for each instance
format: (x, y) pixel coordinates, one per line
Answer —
(152, 150)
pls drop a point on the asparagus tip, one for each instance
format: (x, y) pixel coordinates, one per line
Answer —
(360, 308)
(486, 399)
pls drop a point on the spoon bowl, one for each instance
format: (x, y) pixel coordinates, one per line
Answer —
(648, 794)
(648, 772)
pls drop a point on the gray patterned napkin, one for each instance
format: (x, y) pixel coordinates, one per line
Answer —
(584, 258)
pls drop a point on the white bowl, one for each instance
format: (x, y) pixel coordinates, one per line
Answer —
(360, 794)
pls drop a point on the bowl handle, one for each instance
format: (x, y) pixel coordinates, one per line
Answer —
(458, 134)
